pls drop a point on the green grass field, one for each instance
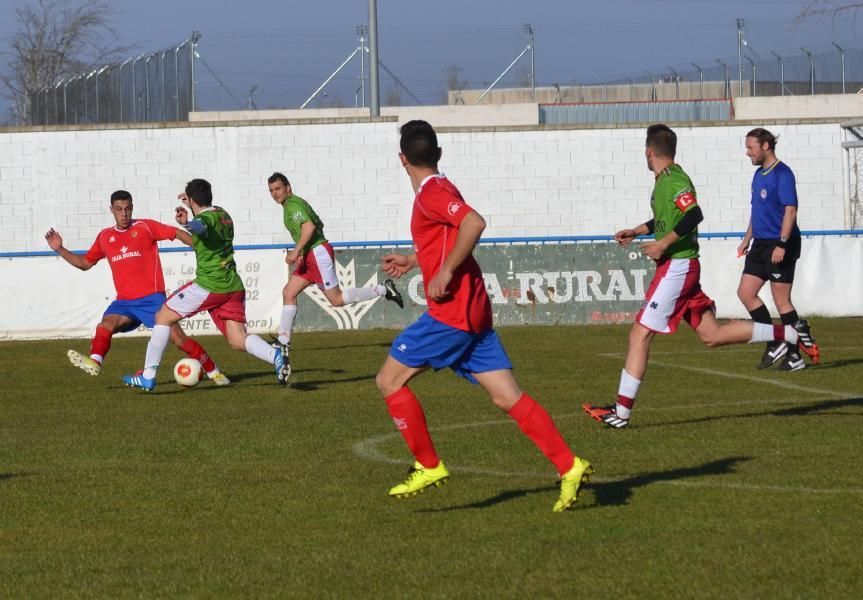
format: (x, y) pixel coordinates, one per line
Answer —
(730, 483)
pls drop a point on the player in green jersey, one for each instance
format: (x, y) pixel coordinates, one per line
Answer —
(313, 260)
(217, 288)
(675, 292)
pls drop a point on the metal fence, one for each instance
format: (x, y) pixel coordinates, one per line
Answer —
(853, 146)
(835, 72)
(146, 88)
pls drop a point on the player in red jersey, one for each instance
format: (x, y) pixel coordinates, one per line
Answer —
(133, 256)
(456, 331)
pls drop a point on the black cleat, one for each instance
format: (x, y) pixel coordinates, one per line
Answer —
(806, 342)
(606, 415)
(393, 294)
(772, 354)
(793, 362)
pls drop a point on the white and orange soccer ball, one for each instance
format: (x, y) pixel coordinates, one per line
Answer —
(188, 372)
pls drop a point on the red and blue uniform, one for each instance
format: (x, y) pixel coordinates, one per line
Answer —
(133, 256)
(456, 331)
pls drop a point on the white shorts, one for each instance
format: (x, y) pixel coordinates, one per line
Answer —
(319, 267)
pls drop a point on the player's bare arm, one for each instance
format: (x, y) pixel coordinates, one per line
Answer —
(469, 231)
(55, 242)
(307, 231)
(625, 236)
(184, 236)
(788, 220)
(396, 265)
(743, 248)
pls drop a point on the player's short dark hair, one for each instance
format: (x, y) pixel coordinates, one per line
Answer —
(120, 195)
(200, 191)
(419, 144)
(278, 177)
(764, 137)
(662, 140)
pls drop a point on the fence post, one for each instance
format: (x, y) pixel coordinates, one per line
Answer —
(841, 63)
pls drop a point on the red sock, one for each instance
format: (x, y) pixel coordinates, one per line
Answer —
(196, 351)
(778, 332)
(536, 424)
(410, 419)
(101, 342)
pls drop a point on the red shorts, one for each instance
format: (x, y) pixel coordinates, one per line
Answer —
(674, 294)
(319, 267)
(191, 299)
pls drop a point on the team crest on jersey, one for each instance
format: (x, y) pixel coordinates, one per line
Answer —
(453, 207)
(134, 234)
(764, 193)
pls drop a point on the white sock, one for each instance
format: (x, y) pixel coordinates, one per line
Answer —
(98, 358)
(286, 323)
(763, 332)
(352, 295)
(628, 388)
(155, 349)
(260, 349)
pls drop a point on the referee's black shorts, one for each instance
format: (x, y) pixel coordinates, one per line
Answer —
(758, 261)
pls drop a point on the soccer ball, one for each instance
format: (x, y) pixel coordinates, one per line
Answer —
(188, 372)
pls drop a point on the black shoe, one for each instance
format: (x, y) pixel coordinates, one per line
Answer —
(772, 354)
(793, 362)
(606, 415)
(806, 342)
(393, 294)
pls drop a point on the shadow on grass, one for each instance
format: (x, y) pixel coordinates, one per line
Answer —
(610, 493)
(838, 364)
(311, 386)
(6, 476)
(345, 346)
(795, 411)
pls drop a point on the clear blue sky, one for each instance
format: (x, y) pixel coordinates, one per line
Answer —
(288, 48)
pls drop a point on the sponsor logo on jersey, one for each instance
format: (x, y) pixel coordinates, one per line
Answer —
(112, 239)
(125, 254)
(297, 217)
(453, 207)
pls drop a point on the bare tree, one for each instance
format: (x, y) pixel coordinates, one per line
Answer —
(393, 96)
(55, 39)
(831, 9)
(454, 83)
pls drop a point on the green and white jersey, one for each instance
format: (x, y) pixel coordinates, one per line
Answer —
(297, 211)
(673, 196)
(214, 251)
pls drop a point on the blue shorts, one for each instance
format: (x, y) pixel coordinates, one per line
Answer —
(430, 343)
(141, 310)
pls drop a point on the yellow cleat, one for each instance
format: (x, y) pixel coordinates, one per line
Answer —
(85, 363)
(220, 379)
(570, 484)
(419, 478)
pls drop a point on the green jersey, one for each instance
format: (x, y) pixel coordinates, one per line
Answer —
(214, 251)
(297, 211)
(673, 196)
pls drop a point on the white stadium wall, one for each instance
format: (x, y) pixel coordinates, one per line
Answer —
(526, 181)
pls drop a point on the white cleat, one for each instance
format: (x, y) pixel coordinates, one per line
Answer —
(85, 363)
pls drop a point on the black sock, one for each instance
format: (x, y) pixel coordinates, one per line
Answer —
(789, 318)
(761, 315)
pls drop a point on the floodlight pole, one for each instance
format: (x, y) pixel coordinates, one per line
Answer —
(374, 82)
(529, 30)
(752, 63)
(811, 71)
(781, 72)
(841, 62)
(739, 57)
(700, 78)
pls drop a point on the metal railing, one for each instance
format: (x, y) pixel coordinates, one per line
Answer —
(159, 86)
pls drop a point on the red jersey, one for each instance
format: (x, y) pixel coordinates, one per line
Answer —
(133, 257)
(438, 211)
